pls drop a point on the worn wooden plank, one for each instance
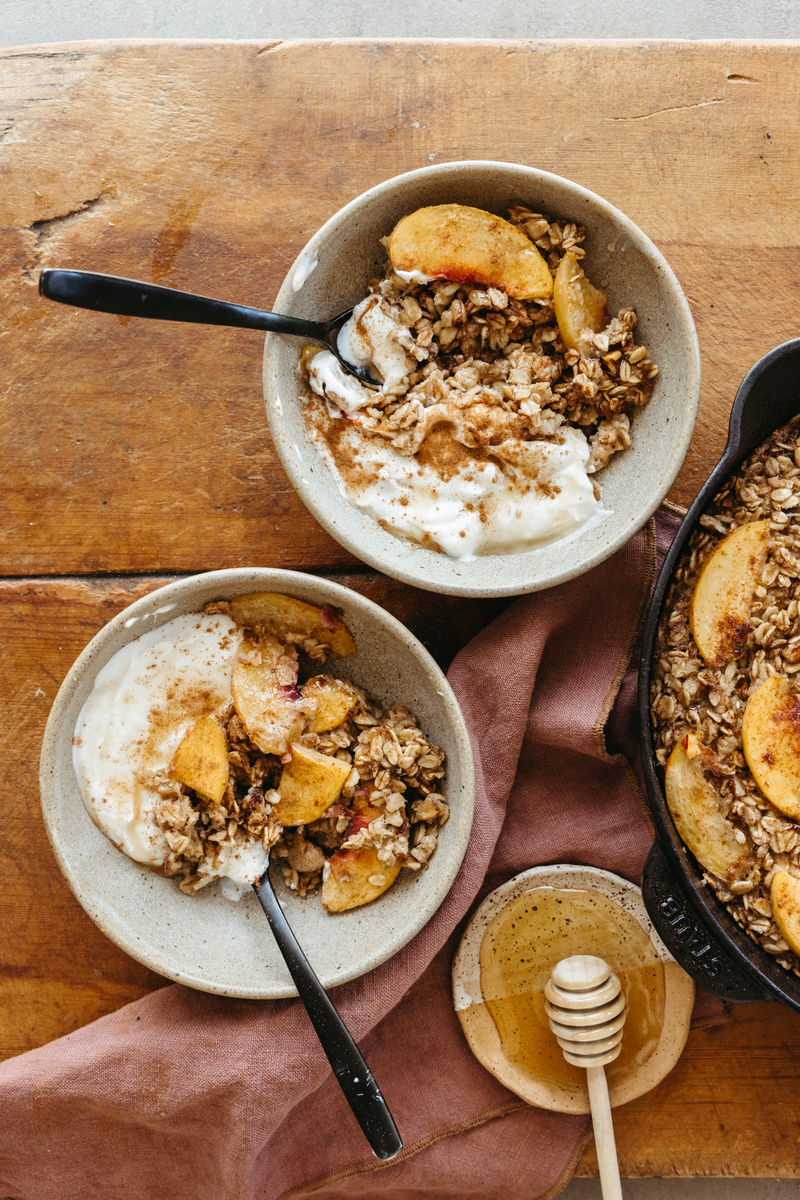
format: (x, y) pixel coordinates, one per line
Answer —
(729, 1107)
(142, 447)
(57, 971)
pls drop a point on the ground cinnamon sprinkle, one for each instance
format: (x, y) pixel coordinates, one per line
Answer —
(389, 755)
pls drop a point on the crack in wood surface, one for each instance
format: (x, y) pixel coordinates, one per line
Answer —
(47, 227)
(657, 112)
(65, 55)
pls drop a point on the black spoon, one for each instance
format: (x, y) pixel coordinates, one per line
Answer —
(354, 1076)
(132, 298)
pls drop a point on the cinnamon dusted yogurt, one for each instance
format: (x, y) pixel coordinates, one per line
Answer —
(143, 703)
(465, 502)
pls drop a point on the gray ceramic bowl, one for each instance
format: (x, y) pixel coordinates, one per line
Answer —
(211, 943)
(347, 253)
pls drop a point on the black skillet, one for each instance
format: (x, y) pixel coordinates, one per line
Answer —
(698, 931)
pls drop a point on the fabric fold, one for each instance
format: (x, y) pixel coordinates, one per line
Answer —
(184, 1094)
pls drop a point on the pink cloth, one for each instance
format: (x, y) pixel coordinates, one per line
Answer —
(187, 1095)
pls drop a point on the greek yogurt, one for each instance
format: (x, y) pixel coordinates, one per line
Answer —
(529, 494)
(143, 703)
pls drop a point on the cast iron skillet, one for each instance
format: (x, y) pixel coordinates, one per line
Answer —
(696, 928)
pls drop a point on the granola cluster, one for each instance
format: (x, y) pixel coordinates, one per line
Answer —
(688, 696)
(392, 763)
(495, 368)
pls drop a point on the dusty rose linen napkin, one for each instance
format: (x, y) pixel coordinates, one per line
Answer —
(187, 1095)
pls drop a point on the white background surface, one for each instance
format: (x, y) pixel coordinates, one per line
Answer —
(23, 22)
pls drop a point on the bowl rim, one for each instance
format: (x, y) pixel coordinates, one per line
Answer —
(392, 564)
(94, 656)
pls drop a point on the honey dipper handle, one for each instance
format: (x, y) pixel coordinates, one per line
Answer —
(604, 1133)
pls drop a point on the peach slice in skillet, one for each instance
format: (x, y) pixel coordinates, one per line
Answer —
(694, 805)
(721, 601)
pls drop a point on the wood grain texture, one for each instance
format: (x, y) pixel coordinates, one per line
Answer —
(57, 970)
(728, 1109)
(134, 446)
(135, 450)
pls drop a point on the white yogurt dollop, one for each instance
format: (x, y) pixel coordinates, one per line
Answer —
(515, 496)
(372, 338)
(144, 702)
(329, 380)
(479, 509)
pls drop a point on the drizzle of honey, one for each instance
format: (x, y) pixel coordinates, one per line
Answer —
(521, 947)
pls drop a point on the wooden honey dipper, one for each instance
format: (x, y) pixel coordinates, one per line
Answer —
(586, 1008)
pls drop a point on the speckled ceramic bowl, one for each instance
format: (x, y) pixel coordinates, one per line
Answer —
(206, 941)
(540, 1086)
(331, 274)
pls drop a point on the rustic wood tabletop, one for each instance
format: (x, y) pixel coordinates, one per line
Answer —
(136, 451)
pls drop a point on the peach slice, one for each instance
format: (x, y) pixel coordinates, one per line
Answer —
(695, 810)
(577, 303)
(453, 241)
(283, 615)
(308, 785)
(785, 897)
(201, 760)
(266, 697)
(334, 702)
(721, 601)
(356, 877)
(771, 743)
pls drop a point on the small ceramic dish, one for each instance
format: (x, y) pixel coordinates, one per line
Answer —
(505, 1022)
(206, 941)
(332, 273)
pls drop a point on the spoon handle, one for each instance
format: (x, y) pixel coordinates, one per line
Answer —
(132, 298)
(355, 1078)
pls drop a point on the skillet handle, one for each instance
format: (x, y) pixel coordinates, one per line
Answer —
(688, 941)
(768, 397)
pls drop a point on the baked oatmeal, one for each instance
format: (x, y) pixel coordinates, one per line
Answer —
(724, 696)
(218, 738)
(494, 409)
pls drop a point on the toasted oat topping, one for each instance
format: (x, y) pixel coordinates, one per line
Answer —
(390, 755)
(496, 368)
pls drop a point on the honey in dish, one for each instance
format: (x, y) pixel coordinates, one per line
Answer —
(521, 947)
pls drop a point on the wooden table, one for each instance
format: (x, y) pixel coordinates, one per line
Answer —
(135, 451)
